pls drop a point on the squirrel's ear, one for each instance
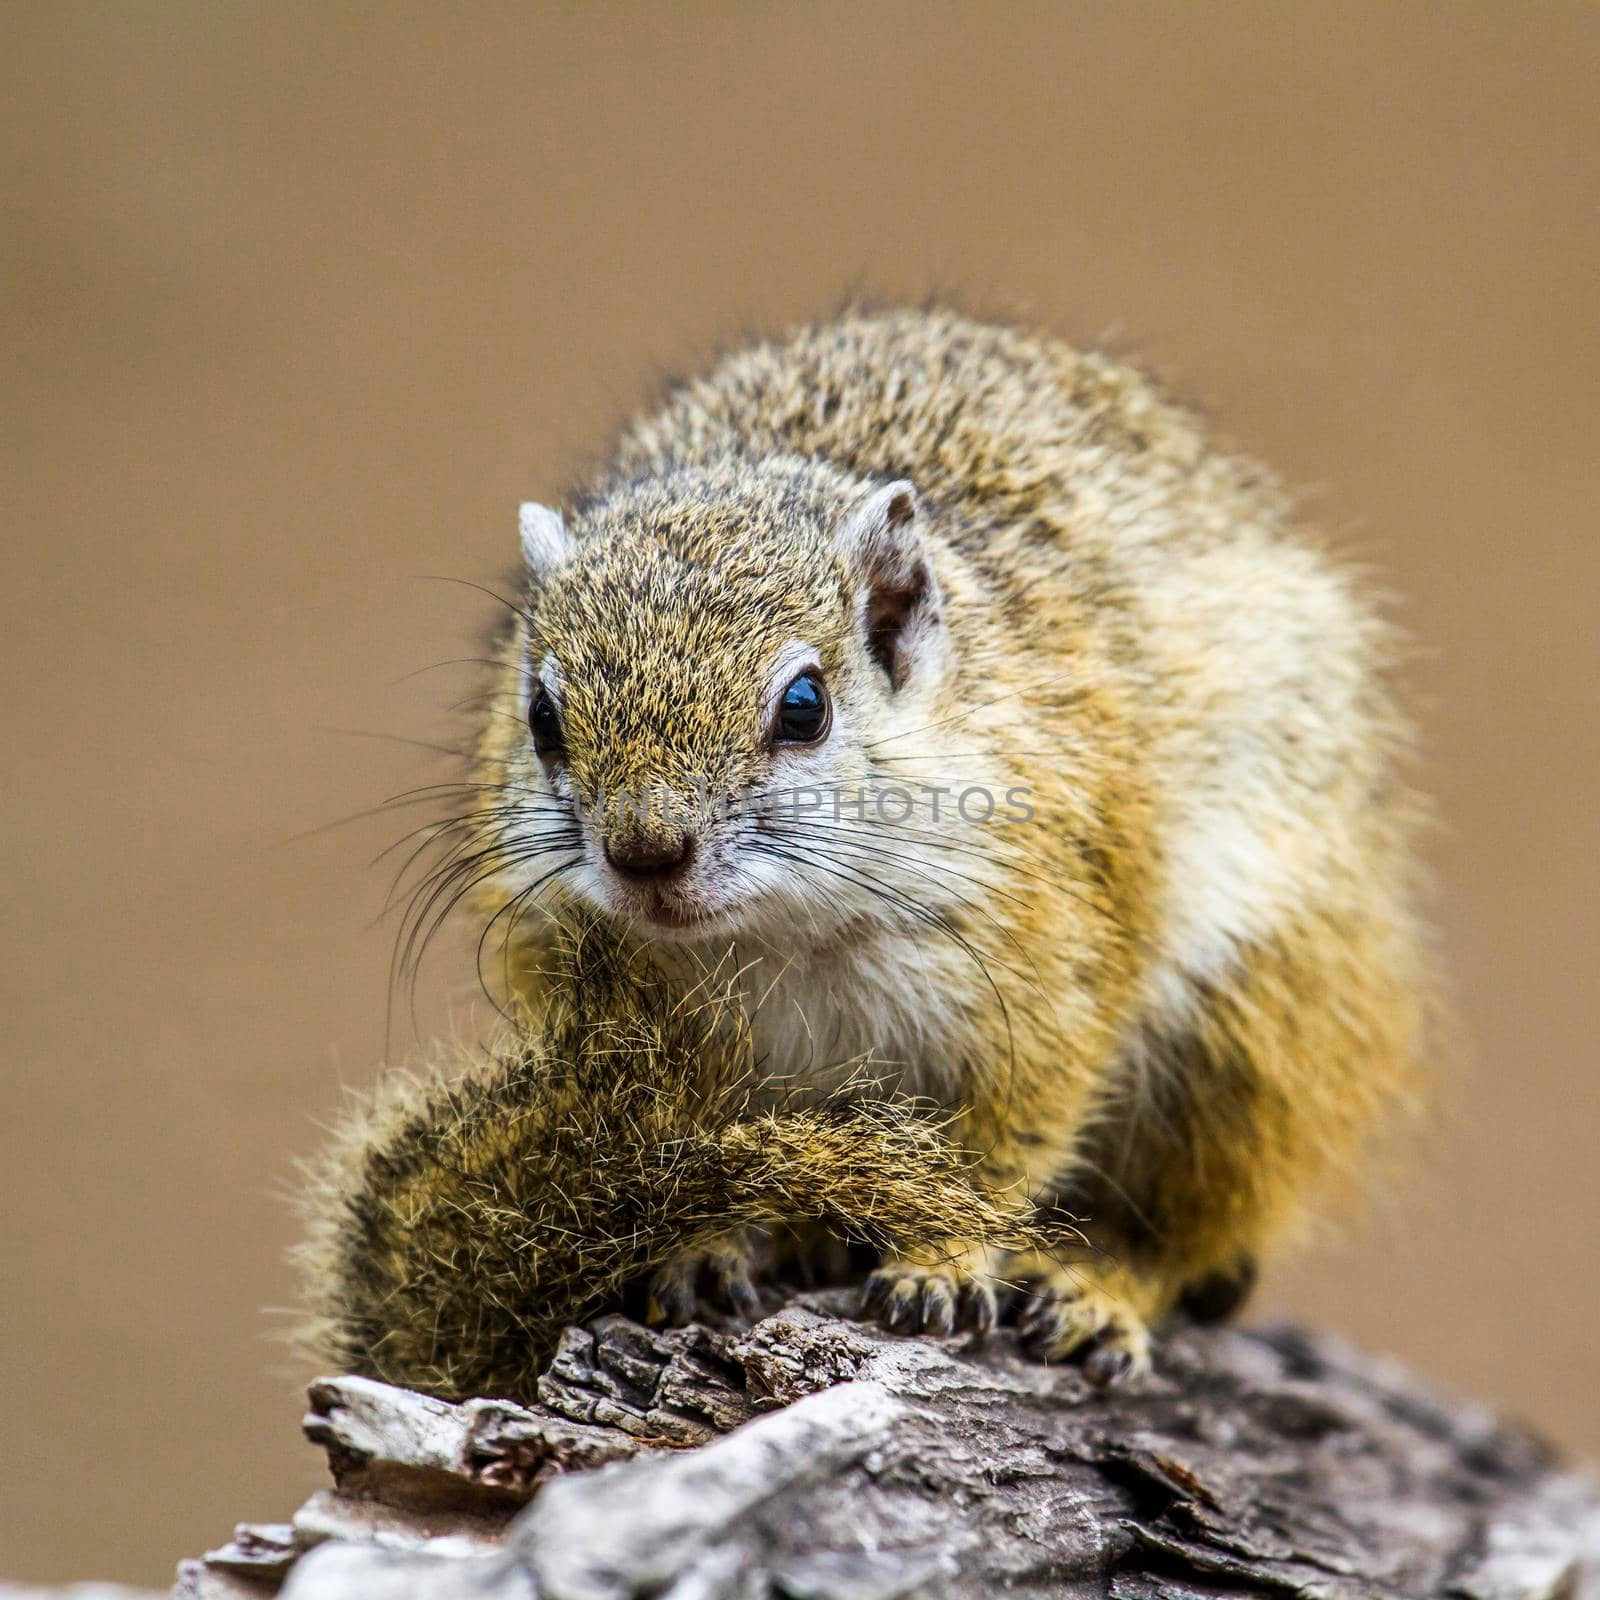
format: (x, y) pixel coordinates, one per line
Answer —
(545, 540)
(882, 545)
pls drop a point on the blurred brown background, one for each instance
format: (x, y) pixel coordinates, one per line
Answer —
(300, 300)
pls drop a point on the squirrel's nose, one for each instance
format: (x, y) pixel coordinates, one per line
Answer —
(654, 857)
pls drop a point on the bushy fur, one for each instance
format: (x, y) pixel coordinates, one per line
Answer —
(457, 1225)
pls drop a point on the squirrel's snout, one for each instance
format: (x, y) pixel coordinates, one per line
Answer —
(653, 857)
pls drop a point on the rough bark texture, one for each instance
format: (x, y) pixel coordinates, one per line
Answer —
(815, 1458)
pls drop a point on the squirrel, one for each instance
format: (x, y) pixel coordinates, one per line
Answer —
(1000, 734)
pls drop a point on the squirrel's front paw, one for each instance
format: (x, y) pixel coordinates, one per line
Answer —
(1077, 1313)
(721, 1274)
(908, 1297)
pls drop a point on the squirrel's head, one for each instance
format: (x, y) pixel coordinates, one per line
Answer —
(707, 661)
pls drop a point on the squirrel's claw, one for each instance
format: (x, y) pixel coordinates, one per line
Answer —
(938, 1306)
(980, 1310)
(939, 1300)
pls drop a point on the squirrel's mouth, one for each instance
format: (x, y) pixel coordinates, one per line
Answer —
(676, 903)
(675, 908)
(667, 911)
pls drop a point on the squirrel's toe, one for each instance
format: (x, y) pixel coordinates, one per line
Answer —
(938, 1304)
(1117, 1355)
(902, 1312)
(979, 1309)
(874, 1294)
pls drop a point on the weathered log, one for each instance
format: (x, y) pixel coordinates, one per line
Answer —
(817, 1457)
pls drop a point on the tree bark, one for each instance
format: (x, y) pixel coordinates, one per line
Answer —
(817, 1458)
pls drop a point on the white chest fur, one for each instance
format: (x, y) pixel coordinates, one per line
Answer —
(821, 1019)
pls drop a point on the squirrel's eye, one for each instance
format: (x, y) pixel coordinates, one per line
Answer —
(545, 725)
(803, 712)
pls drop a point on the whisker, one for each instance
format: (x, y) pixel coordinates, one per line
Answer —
(930, 839)
(455, 661)
(542, 839)
(851, 841)
(395, 738)
(443, 825)
(419, 796)
(973, 905)
(466, 583)
(516, 904)
(914, 907)
(972, 711)
(437, 897)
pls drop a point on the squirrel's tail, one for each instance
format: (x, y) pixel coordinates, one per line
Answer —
(458, 1224)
